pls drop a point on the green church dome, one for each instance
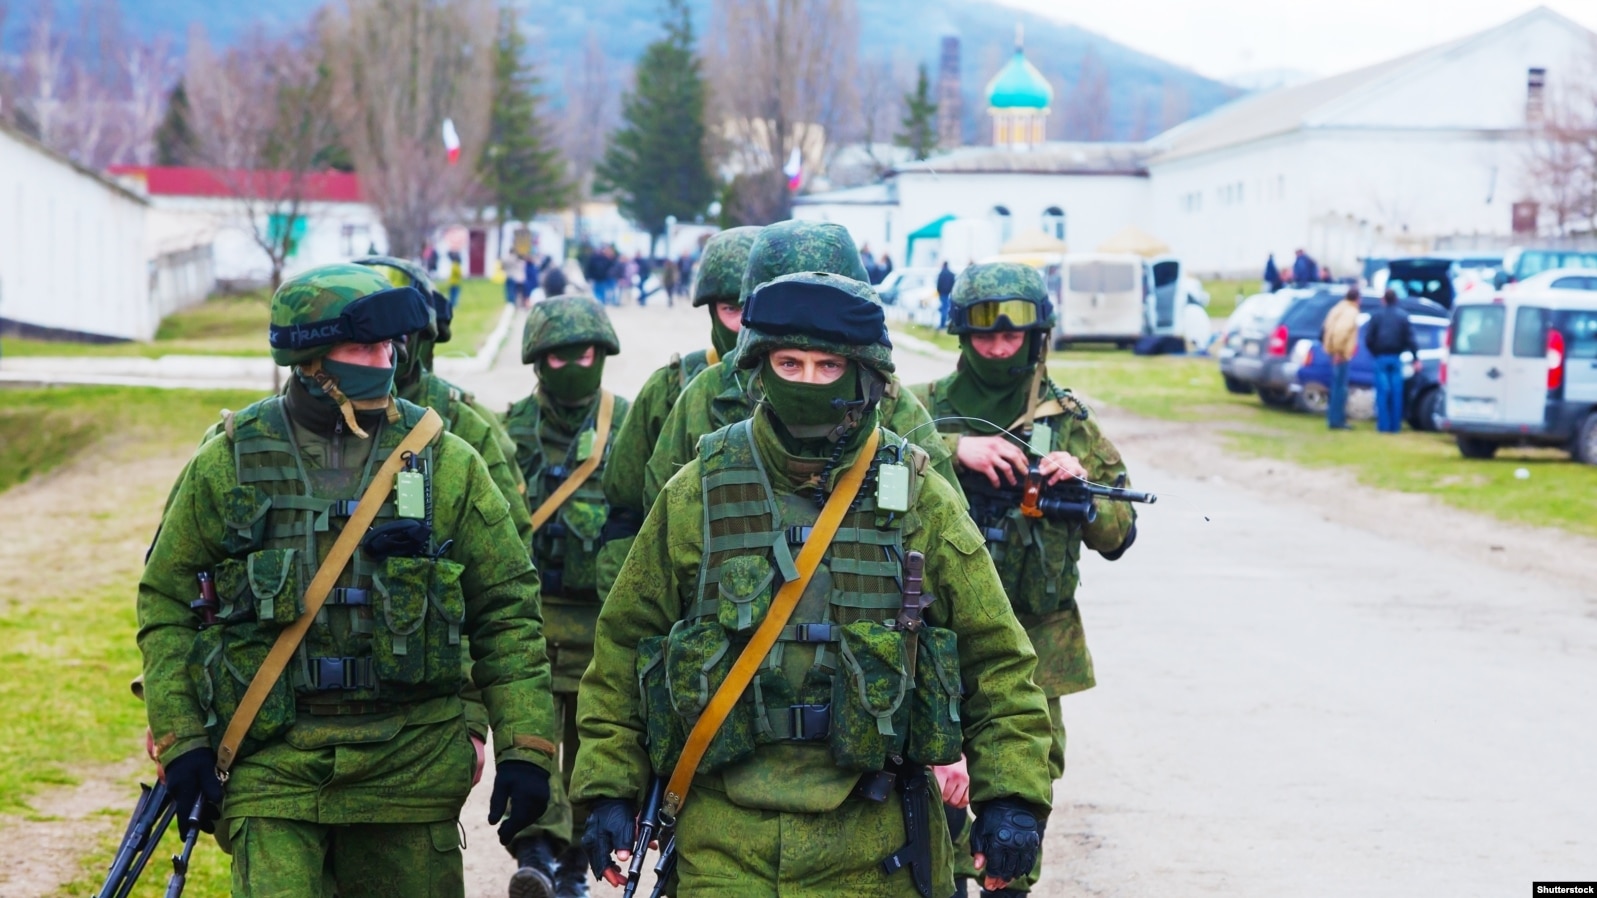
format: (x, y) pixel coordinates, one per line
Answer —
(1019, 85)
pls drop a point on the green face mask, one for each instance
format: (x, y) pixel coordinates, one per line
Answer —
(358, 382)
(722, 337)
(806, 410)
(993, 389)
(571, 383)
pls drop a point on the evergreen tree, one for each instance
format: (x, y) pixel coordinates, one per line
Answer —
(919, 123)
(655, 163)
(523, 173)
(174, 142)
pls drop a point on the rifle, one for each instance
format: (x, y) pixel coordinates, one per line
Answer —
(1072, 501)
(665, 867)
(649, 823)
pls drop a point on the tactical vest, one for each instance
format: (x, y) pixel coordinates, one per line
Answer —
(437, 393)
(837, 675)
(685, 368)
(566, 548)
(1037, 559)
(389, 633)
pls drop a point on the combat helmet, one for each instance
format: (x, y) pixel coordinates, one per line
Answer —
(721, 266)
(999, 296)
(789, 247)
(816, 310)
(567, 320)
(416, 352)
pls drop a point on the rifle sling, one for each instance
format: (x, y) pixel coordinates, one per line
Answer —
(575, 480)
(320, 587)
(782, 607)
(1048, 409)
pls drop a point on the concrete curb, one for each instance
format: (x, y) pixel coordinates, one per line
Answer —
(450, 365)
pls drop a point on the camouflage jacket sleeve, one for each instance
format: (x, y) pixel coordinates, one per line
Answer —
(909, 414)
(612, 761)
(469, 425)
(1007, 731)
(678, 442)
(1086, 441)
(634, 443)
(504, 617)
(507, 446)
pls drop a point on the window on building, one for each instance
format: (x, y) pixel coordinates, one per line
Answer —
(286, 231)
(1535, 87)
(1005, 223)
(1053, 222)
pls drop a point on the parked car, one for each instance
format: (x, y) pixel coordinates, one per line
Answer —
(1521, 368)
(1101, 299)
(1430, 277)
(905, 282)
(1288, 341)
(1422, 390)
(1252, 321)
(1522, 262)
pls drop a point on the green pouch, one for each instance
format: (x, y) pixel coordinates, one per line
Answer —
(773, 696)
(274, 582)
(869, 714)
(1036, 557)
(698, 658)
(446, 652)
(584, 524)
(243, 509)
(935, 733)
(663, 728)
(233, 588)
(745, 593)
(204, 660)
(240, 652)
(399, 644)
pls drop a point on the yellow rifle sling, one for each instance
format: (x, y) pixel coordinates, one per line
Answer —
(575, 480)
(782, 607)
(320, 587)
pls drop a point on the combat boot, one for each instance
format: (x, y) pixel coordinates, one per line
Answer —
(535, 878)
(1003, 893)
(571, 879)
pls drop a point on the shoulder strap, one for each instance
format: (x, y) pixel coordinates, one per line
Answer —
(1050, 409)
(321, 585)
(782, 607)
(573, 482)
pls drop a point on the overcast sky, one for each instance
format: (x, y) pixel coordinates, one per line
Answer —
(1223, 38)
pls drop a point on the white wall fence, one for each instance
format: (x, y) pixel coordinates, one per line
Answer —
(181, 279)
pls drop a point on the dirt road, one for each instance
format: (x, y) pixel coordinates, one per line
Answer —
(1304, 688)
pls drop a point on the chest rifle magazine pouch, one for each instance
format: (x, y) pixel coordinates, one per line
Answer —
(698, 658)
(243, 509)
(417, 637)
(870, 716)
(1037, 557)
(663, 728)
(584, 522)
(936, 735)
(745, 593)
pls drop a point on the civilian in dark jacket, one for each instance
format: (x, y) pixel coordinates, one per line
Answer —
(1304, 269)
(945, 289)
(554, 282)
(1388, 335)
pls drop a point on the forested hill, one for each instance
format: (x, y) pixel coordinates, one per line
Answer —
(1144, 93)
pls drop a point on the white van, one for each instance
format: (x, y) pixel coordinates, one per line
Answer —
(1101, 299)
(1521, 368)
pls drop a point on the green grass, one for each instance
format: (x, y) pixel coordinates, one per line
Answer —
(1558, 493)
(941, 339)
(209, 870)
(1225, 295)
(236, 325)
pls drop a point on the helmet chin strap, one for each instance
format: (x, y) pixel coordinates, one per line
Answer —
(347, 406)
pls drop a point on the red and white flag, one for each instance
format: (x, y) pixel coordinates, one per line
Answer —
(451, 141)
(794, 169)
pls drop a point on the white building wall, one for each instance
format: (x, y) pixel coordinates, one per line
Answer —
(872, 225)
(72, 248)
(334, 232)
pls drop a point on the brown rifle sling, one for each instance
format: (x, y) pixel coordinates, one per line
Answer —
(575, 480)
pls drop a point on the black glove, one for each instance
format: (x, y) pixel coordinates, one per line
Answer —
(190, 776)
(612, 824)
(524, 786)
(1009, 833)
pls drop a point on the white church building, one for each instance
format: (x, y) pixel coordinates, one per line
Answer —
(1420, 153)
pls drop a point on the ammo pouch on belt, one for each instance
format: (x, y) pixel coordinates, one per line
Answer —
(698, 658)
(935, 734)
(259, 596)
(418, 615)
(870, 717)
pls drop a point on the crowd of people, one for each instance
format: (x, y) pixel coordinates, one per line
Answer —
(618, 279)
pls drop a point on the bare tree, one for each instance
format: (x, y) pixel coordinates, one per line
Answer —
(261, 115)
(591, 114)
(1087, 110)
(400, 68)
(1560, 164)
(782, 74)
(881, 105)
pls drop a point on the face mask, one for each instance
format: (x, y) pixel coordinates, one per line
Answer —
(358, 382)
(722, 337)
(571, 383)
(806, 410)
(991, 389)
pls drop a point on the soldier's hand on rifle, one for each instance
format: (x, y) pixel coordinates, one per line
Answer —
(612, 823)
(1059, 466)
(188, 777)
(994, 457)
(954, 780)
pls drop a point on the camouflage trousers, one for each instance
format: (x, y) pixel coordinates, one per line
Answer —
(727, 851)
(275, 857)
(964, 865)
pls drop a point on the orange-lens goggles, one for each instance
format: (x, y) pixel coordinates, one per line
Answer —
(987, 315)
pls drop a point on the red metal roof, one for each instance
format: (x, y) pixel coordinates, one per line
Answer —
(168, 180)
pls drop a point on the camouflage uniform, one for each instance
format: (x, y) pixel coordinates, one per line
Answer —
(719, 280)
(1037, 559)
(774, 808)
(548, 432)
(721, 395)
(354, 772)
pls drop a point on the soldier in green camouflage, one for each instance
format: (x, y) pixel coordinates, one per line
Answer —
(723, 394)
(562, 454)
(352, 776)
(804, 787)
(1002, 316)
(719, 286)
